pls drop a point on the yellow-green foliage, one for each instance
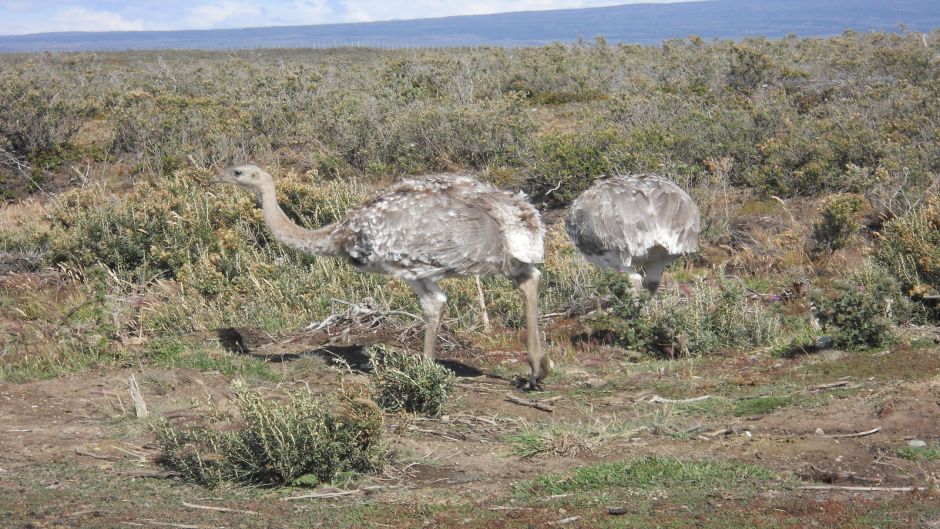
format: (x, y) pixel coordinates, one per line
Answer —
(211, 240)
(838, 221)
(410, 382)
(909, 247)
(302, 440)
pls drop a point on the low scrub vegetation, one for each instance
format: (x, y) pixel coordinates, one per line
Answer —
(409, 382)
(645, 474)
(301, 440)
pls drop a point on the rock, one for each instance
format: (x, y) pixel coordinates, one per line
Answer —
(819, 431)
(824, 342)
(917, 443)
(616, 511)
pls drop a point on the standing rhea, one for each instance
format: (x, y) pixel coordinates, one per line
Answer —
(628, 220)
(423, 230)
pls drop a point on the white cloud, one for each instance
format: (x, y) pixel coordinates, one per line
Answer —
(372, 10)
(222, 14)
(31, 16)
(71, 19)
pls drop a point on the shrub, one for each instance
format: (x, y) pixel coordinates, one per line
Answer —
(839, 220)
(410, 382)
(303, 440)
(858, 310)
(909, 247)
(704, 319)
(709, 318)
(569, 162)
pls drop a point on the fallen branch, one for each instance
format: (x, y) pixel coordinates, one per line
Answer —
(661, 400)
(217, 509)
(81, 452)
(848, 435)
(832, 385)
(862, 489)
(140, 406)
(321, 495)
(170, 524)
(530, 403)
(433, 432)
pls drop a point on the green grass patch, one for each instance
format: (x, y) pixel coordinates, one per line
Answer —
(645, 474)
(919, 453)
(761, 405)
(175, 352)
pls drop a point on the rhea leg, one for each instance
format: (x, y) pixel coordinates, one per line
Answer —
(432, 300)
(528, 282)
(654, 274)
(635, 279)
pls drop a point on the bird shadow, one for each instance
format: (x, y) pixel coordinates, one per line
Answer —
(355, 357)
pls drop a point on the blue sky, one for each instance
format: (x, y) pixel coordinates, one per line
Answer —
(37, 16)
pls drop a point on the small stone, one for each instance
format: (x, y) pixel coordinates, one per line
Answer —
(824, 342)
(819, 431)
(917, 443)
(616, 511)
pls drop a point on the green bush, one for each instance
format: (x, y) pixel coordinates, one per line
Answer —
(909, 247)
(858, 310)
(303, 440)
(568, 163)
(839, 220)
(705, 319)
(410, 382)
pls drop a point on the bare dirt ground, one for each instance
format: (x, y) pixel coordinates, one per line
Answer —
(72, 453)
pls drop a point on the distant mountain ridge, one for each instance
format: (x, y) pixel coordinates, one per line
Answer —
(631, 23)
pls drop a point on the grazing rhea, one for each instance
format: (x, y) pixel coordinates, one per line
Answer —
(628, 220)
(423, 230)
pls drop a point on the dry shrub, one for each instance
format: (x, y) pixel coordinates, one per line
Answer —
(301, 440)
(410, 382)
(909, 247)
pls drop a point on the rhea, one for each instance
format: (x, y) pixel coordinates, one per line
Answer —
(626, 221)
(423, 230)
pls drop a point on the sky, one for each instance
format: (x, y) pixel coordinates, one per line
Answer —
(19, 17)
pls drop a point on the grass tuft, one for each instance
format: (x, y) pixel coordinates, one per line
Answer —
(410, 382)
(303, 440)
(647, 473)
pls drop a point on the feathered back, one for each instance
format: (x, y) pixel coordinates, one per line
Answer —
(633, 214)
(444, 222)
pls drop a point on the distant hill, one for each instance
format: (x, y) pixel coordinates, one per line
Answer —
(633, 23)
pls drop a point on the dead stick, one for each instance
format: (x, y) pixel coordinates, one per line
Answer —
(219, 509)
(170, 524)
(81, 452)
(830, 386)
(322, 495)
(657, 398)
(862, 489)
(530, 403)
(857, 434)
(140, 406)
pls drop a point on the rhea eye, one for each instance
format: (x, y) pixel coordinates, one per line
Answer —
(237, 173)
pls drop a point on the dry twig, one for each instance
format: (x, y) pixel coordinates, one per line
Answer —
(218, 509)
(862, 489)
(661, 400)
(321, 495)
(530, 403)
(848, 435)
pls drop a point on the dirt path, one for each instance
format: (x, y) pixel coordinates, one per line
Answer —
(73, 455)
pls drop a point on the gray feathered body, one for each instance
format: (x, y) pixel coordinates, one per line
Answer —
(441, 226)
(629, 220)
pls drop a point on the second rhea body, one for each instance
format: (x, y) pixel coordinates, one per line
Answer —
(626, 221)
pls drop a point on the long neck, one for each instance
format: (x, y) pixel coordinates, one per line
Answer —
(318, 242)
